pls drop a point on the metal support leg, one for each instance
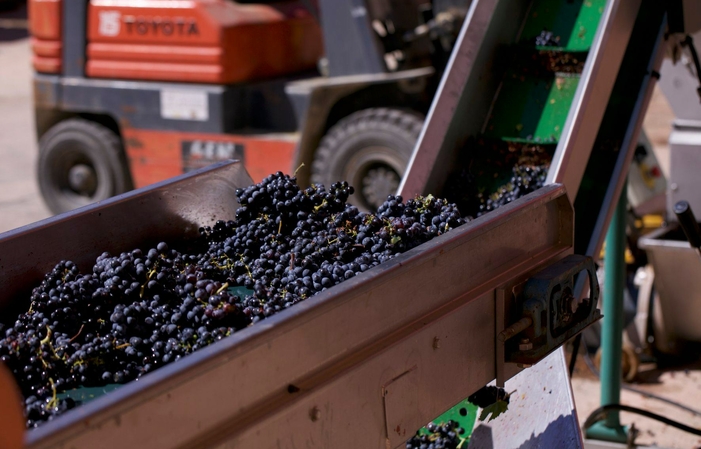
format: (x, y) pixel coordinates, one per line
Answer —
(612, 326)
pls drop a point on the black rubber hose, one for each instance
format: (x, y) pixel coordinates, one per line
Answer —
(688, 222)
(600, 414)
(575, 351)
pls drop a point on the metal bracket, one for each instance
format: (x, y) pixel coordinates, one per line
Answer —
(548, 311)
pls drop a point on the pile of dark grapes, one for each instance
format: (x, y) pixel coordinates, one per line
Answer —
(140, 310)
(525, 179)
(445, 436)
(547, 39)
(553, 59)
(492, 173)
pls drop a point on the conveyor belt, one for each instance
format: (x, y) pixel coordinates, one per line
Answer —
(481, 96)
(604, 116)
(363, 352)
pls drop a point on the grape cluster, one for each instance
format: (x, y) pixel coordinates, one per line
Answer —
(547, 39)
(444, 436)
(557, 61)
(492, 173)
(38, 411)
(288, 244)
(542, 57)
(140, 310)
(525, 179)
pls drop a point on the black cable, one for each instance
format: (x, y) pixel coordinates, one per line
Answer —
(575, 351)
(600, 414)
(689, 42)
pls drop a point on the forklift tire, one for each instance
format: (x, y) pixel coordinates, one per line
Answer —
(371, 150)
(80, 162)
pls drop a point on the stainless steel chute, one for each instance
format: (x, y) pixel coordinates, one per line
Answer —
(363, 352)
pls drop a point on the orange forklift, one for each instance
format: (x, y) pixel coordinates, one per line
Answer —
(131, 92)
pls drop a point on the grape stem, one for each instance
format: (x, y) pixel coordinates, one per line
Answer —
(223, 287)
(248, 270)
(76, 335)
(47, 339)
(53, 403)
(298, 169)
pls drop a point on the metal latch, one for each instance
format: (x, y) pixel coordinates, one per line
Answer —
(550, 310)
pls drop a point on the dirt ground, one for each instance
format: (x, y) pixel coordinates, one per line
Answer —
(681, 384)
(20, 202)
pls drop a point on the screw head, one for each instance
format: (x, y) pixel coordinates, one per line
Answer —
(525, 345)
(315, 414)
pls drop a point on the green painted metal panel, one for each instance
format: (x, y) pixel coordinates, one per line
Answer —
(464, 413)
(532, 109)
(573, 22)
(87, 394)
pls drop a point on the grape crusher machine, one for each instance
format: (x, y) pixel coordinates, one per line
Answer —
(368, 362)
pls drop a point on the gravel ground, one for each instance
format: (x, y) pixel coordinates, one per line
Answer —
(681, 384)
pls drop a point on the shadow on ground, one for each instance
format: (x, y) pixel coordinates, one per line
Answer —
(558, 434)
(648, 373)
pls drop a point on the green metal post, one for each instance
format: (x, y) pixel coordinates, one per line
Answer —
(612, 325)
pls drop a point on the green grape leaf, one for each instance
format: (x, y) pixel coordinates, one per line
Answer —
(494, 410)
